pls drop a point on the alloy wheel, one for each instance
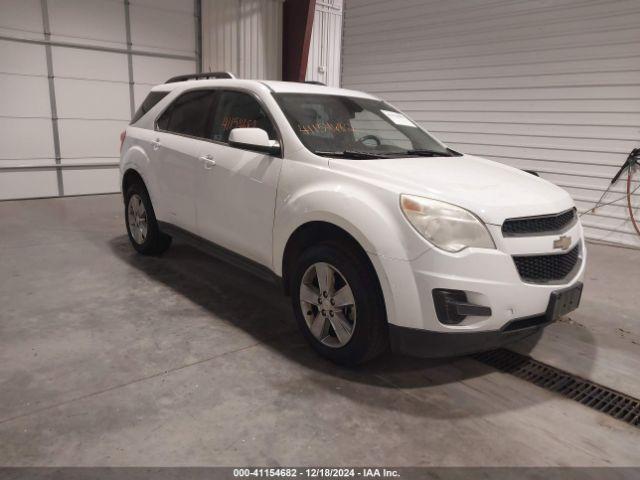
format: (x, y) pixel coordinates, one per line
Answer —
(137, 217)
(328, 305)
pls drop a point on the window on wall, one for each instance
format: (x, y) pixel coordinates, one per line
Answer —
(239, 110)
(189, 114)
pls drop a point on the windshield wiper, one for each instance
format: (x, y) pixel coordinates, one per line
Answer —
(357, 154)
(427, 153)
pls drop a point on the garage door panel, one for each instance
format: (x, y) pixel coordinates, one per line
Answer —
(92, 99)
(595, 169)
(519, 59)
(25, 138)
(162, 30)
(502, 38)
(577, 181)
(592, 191)
(93, 22)
(24, 96)
(551, 118)
(84, 181)
(28, 184)
(516, 80)
(90, 64)
(365, 14)
(617, 212)
(630, 238)
(575, 106)
(21, 19)
(586, 92)
(380, 13)
(618, 208)
(368, 8)
(492, 23)
(612, 224)
(573, 169)
(153, 71)
(96, 138)
(534, 129)
(29, 162)
(548, 36)
(549, 143)
(91, 163)
(184, 6)
(628, 35)
(506, 151)
(91, 85)
(22, 58)
(440, 71)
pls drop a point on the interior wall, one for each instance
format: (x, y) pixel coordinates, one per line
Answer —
(243, 37)
(73, 71)
(547, 86)
(324, 64)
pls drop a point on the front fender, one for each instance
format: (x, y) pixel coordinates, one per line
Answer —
(369, 214)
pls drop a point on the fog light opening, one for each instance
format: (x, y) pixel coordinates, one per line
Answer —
(452, 306)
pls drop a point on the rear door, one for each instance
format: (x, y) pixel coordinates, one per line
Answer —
(236, 196)
(180, 133)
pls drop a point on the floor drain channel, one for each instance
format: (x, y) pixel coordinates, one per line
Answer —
(603, 399)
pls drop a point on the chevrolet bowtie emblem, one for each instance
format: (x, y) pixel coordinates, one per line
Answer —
(563, 242)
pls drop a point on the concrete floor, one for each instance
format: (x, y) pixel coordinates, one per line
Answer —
(110, 358)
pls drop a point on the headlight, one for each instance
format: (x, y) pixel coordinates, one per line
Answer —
(448, 227)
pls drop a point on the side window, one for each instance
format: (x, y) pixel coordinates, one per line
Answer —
(239, 110)
(189, 114)
(322, 123)
(152, 99)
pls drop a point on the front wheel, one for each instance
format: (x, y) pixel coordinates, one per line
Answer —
(338, 304)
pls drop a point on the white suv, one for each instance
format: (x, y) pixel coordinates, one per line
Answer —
(382, 235)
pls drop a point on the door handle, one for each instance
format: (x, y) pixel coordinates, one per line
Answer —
(209, 162)
(156, 144)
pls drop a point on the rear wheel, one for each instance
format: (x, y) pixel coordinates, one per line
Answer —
(142, 226)
(338, 304)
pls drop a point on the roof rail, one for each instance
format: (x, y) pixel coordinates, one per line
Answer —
(199, 76)
(315, 82)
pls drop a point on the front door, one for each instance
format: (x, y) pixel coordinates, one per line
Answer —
(236, 190)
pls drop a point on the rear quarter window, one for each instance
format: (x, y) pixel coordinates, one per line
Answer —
(152, 99)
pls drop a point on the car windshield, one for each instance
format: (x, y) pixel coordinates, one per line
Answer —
(359, 128)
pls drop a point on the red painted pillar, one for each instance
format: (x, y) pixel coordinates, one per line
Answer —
(297, 22)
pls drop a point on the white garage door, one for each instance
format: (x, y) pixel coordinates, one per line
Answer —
(548, 86)
(72, 72)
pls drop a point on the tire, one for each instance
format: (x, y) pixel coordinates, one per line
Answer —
(142, 227)
(368, 337)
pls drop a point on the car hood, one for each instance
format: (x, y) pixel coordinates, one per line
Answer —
(491, 190)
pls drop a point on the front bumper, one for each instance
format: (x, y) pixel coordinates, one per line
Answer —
(424, 343)
(488, 277)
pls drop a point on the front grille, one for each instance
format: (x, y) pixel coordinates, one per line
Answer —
(547, 268)
(543, 224)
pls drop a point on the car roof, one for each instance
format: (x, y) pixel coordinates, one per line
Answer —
(271, 85)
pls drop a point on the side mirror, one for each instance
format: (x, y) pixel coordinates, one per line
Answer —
(253, 139)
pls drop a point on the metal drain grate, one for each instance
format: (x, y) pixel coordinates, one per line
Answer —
(603, 399)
